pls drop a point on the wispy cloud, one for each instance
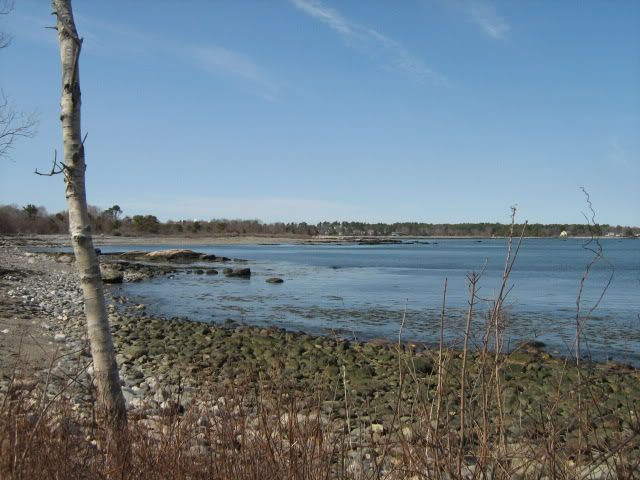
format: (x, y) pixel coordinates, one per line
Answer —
(117, 40)
(228, 63)
(617, 153)
(327, 15)
(213, 59)
(385, 50)
(484, 14)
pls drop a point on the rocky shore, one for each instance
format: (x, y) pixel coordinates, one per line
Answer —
(168, 364)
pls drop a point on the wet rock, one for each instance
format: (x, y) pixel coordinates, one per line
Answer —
(274, 280)
(532, 346)
(211, 271)
(422, 365)
(238, 272)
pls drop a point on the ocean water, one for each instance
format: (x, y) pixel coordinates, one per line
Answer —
(364, 291)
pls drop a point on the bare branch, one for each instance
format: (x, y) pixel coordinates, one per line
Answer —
(13, 125)
(62, 168)
(593, 246)
(6, 6)
(5, 40)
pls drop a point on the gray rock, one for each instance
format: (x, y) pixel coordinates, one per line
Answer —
(66, 258)
(238, 272)
(111, 274)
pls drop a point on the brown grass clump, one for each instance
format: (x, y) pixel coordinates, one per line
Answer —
(270, 429)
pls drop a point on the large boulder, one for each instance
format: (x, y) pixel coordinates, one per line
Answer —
(132, 255)
(174, 255)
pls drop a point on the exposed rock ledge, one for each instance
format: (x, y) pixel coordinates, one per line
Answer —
(173, 256)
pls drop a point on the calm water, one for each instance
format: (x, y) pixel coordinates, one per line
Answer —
(361, 291)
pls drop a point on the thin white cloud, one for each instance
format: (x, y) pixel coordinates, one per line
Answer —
(385, 50)
(118, 40)
(228, 63)
(327, 15)
(484, 14)
(617, 153)
(212, 59)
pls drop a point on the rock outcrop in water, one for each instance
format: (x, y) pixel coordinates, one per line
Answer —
(238, 272)
(175, 255)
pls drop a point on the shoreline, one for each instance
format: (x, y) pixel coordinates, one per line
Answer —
(133, 269)
(49, 321)
(170, 240)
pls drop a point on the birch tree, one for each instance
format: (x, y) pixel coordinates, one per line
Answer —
(110, 399)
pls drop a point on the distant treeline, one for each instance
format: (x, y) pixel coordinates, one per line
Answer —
(33, 219)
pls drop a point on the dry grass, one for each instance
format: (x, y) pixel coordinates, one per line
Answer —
(269, 429)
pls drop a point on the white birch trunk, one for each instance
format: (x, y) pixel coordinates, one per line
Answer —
(110, 399)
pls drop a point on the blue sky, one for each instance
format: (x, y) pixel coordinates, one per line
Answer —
(420, 110)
